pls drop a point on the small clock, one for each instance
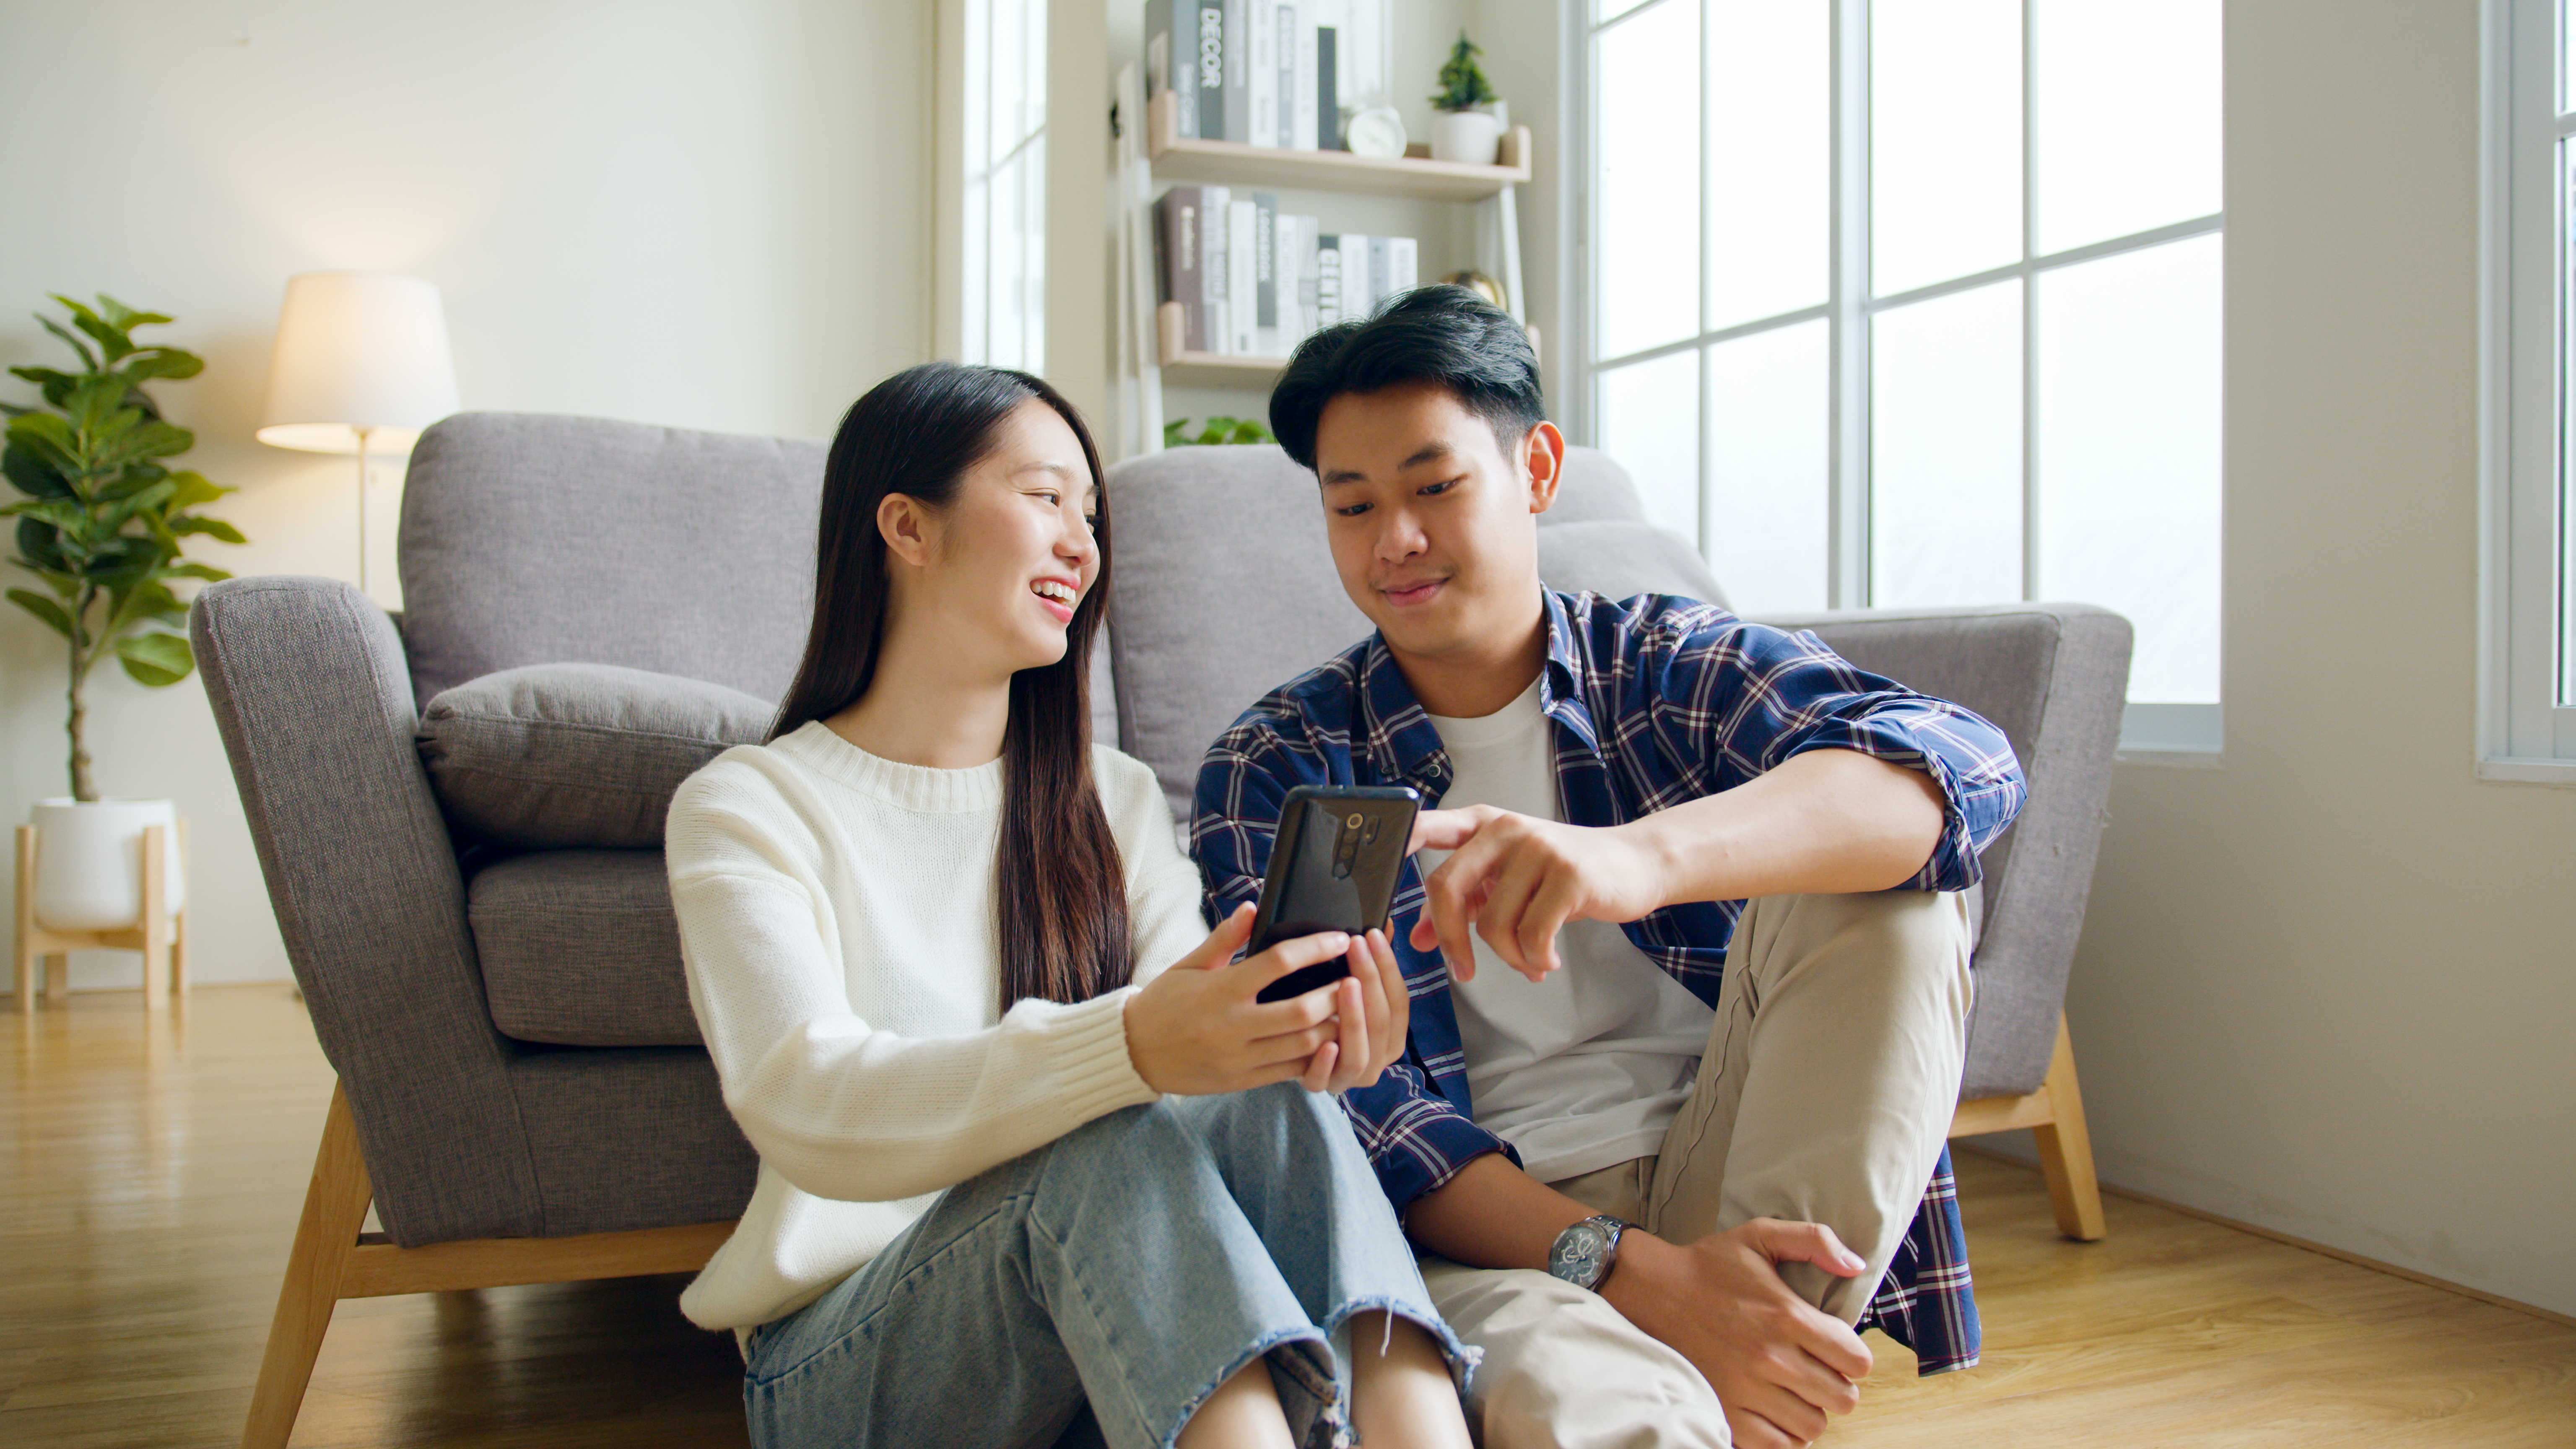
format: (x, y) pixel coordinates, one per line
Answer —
(1377, 131)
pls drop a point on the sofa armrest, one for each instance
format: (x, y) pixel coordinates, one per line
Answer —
(314, 703)
(2054, 678)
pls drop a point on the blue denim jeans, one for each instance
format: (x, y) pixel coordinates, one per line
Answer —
(1135, 1264)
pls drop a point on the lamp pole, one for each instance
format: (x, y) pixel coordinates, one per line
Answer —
(362, 509)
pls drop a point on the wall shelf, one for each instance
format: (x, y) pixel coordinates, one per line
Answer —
(1151, 332)
(1231, 163)
(1206, 369)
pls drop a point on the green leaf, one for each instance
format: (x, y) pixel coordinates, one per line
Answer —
(53, 445)
(95, 402)
(126, 317)
(111, 339)
(88, 359)
(148, 498)
(62, 513)
(194, 570)
(156, 659)
(214, 528)
(40, 549)
(53, 613)
(32, 475)
(140, 440)
(194, 488)
(151, 362)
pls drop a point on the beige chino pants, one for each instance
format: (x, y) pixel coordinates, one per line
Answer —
(1824, 1096)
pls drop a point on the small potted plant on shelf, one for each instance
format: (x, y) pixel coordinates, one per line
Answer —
(101, 524)
(1467, 129)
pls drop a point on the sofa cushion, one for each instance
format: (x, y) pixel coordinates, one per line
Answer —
(580, 948)
(1618, 558)
(1225, 588)
(531, 539)
(554, 756)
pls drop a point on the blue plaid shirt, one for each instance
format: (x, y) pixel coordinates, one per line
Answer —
(1657, 701)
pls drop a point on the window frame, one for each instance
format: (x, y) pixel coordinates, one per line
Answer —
(2188, 735)
(2525, 733)
(974, 257)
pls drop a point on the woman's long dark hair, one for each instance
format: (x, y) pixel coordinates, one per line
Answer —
(1062, 892)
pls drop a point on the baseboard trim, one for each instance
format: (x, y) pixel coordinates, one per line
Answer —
(2358, 1260)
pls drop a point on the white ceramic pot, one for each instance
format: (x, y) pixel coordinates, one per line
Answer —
(1475, 137)
(89, 862)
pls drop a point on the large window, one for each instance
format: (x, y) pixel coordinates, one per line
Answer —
(2530, 708)
(1917, 302)
(1003, 283)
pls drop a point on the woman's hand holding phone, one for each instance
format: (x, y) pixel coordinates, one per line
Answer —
(1197, 1030)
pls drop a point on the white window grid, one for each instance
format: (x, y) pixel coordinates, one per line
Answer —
(2527, 727)
(1003, 296)
(2176, 733)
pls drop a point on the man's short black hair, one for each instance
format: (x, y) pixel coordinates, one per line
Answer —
(1444, 334)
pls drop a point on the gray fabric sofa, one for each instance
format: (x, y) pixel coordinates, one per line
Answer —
(510, 1029)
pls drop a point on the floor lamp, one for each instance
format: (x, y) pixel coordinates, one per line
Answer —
(360, 366)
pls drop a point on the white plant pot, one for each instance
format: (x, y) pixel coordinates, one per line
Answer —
(89, 862)
(1474, 137)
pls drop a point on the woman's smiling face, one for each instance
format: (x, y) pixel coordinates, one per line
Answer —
(1009, 560)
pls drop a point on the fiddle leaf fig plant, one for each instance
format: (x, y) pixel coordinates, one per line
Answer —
(103, 520)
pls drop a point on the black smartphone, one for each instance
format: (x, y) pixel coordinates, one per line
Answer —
(1333, 864)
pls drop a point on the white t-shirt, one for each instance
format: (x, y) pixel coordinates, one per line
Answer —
(1585, 1069)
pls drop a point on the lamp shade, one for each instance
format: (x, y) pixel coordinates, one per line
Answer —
(357, 350)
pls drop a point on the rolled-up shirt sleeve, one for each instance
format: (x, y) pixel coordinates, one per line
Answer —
(1750, 698)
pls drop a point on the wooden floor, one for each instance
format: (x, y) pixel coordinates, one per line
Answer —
(155, 1168)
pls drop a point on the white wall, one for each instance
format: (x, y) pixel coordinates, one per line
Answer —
(706, 215)
(2329, 988)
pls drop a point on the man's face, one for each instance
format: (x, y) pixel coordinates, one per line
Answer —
(1433, 520)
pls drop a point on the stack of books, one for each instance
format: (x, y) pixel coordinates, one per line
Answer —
(1266, 72)
(1253, 283)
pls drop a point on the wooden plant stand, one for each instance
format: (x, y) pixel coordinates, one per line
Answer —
(162, 935)
(333, 1260)
(2055, 1115)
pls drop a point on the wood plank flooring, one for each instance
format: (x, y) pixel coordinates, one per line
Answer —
(154, 1167)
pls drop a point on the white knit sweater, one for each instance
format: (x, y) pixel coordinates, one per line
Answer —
(837, 920)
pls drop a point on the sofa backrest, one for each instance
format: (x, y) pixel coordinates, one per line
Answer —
(1224, 588)
(529, 539)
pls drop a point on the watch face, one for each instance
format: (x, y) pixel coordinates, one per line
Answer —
(1578, 1254)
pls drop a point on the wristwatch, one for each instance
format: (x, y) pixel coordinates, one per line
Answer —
(1585, 1252)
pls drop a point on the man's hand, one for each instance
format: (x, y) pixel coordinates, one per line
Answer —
(1778, 1363)
(1518, 879)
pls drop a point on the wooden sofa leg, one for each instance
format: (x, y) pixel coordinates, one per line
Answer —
(2066, 1149)
(335, 1208)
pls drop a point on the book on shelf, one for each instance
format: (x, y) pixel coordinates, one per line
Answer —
(1238, 71)
(1271, 73)
(1300, 111)
(1242, 286)
(1249, 280)
(1265, 273)
(1261, 73)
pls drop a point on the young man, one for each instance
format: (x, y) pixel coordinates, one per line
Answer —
(1688, 960)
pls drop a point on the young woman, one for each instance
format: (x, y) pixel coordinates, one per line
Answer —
(1026, 1139)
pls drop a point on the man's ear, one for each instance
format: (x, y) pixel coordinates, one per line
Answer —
(906, 528)
(1543, 463)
